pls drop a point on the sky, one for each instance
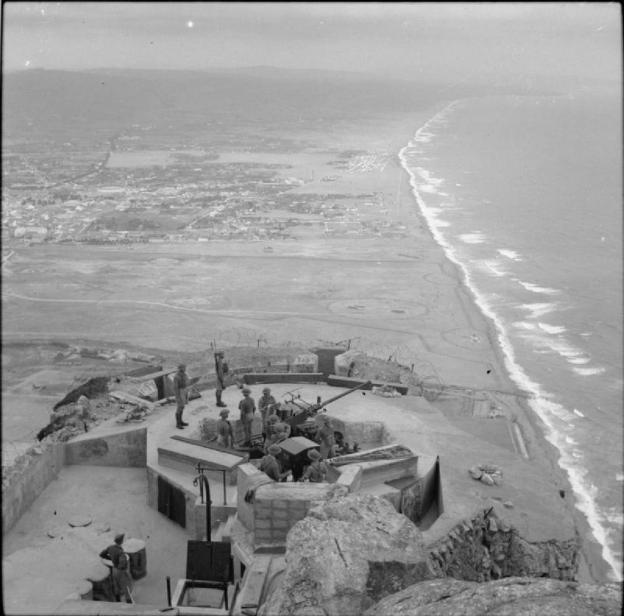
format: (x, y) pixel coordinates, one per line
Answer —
(404, 40)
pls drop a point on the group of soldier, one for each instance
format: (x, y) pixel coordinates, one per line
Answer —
(274, 431)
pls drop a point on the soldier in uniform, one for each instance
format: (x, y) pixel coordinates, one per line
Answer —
(180, 383)
(270, 464)
(326, 437)
(122, 582)
(266, 404)
(247, 408)
(224, 430)
(221, 369)
(316, 471)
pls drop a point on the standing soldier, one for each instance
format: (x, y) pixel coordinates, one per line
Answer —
(266, 404)
(180, 383)
(247, 408)
(221, 369)
(326, 436)
(224, 430)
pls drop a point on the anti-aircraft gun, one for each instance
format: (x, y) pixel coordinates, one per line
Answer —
(296, 411)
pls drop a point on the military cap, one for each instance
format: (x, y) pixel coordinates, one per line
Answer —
(266, 390)
(119, 538)
(181, 366)
(313, 454)
(246, 390)
(272, 419)
(274, 450)
(224, 412)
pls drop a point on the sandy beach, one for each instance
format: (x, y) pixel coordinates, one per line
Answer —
(394, 296)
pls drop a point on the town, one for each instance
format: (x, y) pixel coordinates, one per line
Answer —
(152, 187)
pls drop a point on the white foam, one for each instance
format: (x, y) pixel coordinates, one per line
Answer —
(588, 371)
(551, 329)
(583, 489)
(579, 360)
(536, 289)
(491, 266)
(428, 188)
(577, 412)
(619, 476)
(510, 254)
(539, 309)
(476, 237)
(525, 325)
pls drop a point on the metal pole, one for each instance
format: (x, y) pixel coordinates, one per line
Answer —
(224, 492)
(168, 591)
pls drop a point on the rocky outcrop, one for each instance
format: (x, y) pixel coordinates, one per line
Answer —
(526, 596)
(487, 547)
(91, 389)
(348, 553)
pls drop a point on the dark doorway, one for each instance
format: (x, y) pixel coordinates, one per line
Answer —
(171, 502)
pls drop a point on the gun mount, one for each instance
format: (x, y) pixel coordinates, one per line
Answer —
(296, 411)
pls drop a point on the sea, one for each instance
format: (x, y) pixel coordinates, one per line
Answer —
(524, 193)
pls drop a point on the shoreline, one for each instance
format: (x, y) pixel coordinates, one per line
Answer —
(424, 256)
(598, 565)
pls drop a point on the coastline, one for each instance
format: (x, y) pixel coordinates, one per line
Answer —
(597, 562)
(440, 331)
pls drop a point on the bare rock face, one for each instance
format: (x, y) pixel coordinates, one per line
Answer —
(348, 553)
(506, 597)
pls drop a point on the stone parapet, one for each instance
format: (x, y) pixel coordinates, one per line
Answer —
(27, 478)
(123, 448)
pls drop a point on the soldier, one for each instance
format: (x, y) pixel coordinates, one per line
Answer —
(316, 471)
(270, 464)
(122, 582)
(180, 383)
(326, 436)
(266, 404)
(224, 430)
(247, 408)
(221, 369)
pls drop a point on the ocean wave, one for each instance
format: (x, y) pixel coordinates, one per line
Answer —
(588, 371)
(510, 254)
(476, 237)
(536, 289)
(524, 325)
(428, 188)
(539, 309)
(577, 412)
(579, 360)
(491, 266)
(551, 329)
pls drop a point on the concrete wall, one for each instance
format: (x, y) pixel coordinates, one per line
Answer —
(127, 448)
(278, 506)
(24, 481)
(282, 377)
(275, 507)
(369, 432)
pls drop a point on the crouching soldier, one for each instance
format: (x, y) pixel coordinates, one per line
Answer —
(271, 466)
(316, 471)
(122, 582)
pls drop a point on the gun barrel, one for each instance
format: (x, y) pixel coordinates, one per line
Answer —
(344, 393)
